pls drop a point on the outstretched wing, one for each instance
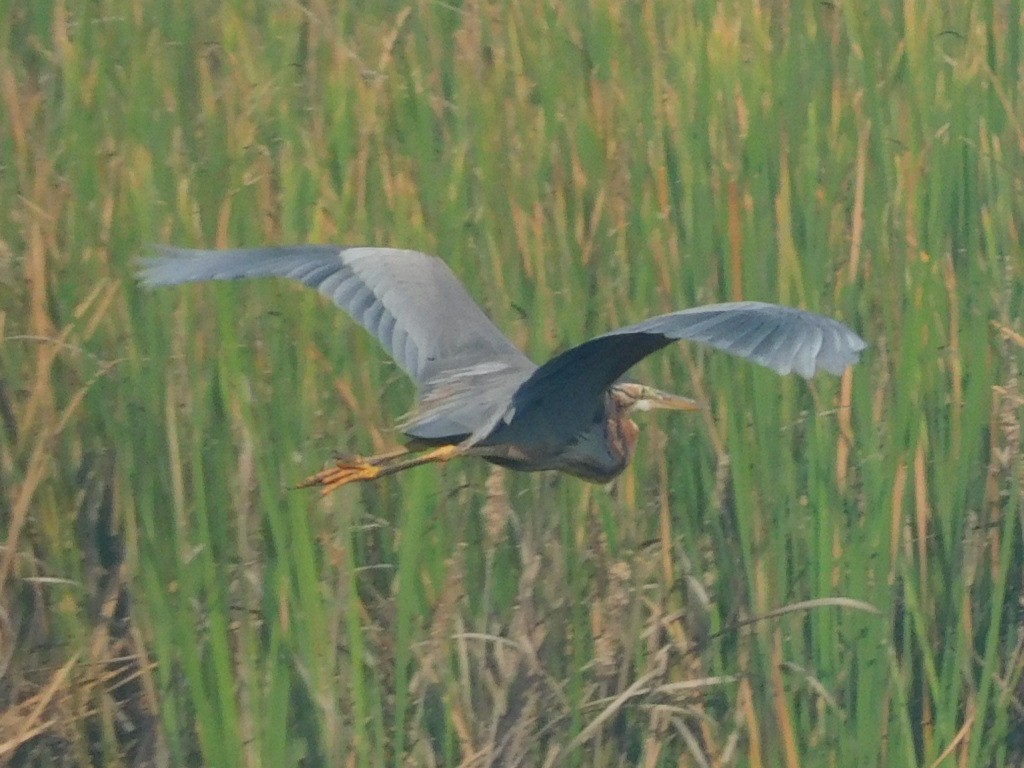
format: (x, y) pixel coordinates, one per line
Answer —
(781, 338)
(412, 302)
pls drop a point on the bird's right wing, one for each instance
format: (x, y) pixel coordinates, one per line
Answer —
(412, 302)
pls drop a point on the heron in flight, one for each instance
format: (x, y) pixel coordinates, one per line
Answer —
(478, 394)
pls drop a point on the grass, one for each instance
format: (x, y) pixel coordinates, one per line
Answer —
(807, 574)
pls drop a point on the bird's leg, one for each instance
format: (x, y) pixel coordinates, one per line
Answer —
(359, 470)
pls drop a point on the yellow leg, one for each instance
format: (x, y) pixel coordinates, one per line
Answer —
(358, 470)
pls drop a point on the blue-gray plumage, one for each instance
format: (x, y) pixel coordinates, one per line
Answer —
(478, 394)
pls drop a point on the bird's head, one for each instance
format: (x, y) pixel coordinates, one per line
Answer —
(629, 396)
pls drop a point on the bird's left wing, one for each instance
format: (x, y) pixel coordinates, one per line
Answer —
(785, 339)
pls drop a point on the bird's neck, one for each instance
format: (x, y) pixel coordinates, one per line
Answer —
(622, 434)
(621, 431)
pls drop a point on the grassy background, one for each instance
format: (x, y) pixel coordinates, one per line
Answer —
(582, 165)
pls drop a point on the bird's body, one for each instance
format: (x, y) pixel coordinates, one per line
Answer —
(598, 452)
(479, 394)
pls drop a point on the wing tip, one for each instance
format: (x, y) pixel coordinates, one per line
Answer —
(845, 354)
(155, 267)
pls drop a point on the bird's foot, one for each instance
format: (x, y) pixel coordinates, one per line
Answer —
(345, 471)
(357, 469)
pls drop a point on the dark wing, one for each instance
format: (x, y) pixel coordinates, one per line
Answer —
(410, 301)
(781, 338)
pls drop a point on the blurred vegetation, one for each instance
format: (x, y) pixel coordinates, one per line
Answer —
(165, 599)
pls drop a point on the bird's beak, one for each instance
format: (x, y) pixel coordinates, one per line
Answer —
(650, 399)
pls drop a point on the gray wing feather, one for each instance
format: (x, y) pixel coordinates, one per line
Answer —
(784, 339)
(412, 302)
